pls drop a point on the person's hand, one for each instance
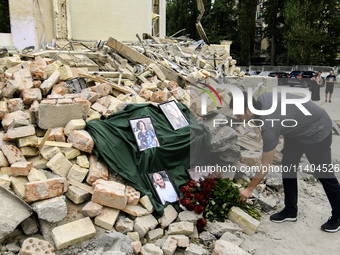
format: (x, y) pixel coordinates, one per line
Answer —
(245, 195)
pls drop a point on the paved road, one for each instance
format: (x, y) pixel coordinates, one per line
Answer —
(333, 110)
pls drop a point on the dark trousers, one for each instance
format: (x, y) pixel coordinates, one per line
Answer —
(319, 156)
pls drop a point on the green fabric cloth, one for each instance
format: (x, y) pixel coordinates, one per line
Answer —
(115, 144)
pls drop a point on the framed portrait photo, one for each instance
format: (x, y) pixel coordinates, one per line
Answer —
(144, 132)
(174, 115)
(163, 186)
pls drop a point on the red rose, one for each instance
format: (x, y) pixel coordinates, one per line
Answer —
(185, 201)
(184, 189)
(206, 195)
(201, 223)
(198, 197)
(190, 206)
(191, 184)
(188, 195)
(203, 202)
(198, 209)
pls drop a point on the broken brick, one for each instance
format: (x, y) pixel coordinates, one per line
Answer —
(40, 190)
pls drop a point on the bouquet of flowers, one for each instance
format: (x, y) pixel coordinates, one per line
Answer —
(214, 197)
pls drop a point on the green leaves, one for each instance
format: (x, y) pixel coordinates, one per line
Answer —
(225, 195)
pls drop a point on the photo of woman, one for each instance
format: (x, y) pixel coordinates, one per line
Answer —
(144, 133)
(174, 115)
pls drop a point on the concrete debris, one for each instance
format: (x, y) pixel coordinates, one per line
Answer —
(46, 154)
(13, 212)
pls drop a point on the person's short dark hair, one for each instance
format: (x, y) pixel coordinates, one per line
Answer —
(245, 99)
(140, 121)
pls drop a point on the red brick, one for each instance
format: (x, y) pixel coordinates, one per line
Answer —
(3, 109)
(57, 134)
(11, 86)
(172, 85)
(145, 93)
(159, 96)
(34, 245)
(109, 193)
(105, 101)
(21, 168)
(12, 153)
(49, 101)
(81, 140)
(40, 190)
(36, 84)
(39, 62)
(55, 96)
(39, 74)
(65, 101)
(15, 104)
(19, 132)
(48, 60)
(30, 95)
(178, 93)
(103, 89)
(136, 247)
(98, 170)
(89, 95)
(83, 102)
(8, 118)
(132, 195)
(92, 209)
(24, 83)
(34, 107)
(71, 96)
(60, 88)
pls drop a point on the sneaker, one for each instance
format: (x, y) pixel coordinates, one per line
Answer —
(329, 101)
(326, 100)
(283, 216)
(332, 225)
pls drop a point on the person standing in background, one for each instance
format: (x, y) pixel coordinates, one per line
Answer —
(330, 80)
(317, 83)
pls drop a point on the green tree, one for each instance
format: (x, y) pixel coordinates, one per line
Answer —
(182, 14)
(246, 30)
(305, 33)
(4, 17)
(331, 44)
(274, 18)
(220, 21)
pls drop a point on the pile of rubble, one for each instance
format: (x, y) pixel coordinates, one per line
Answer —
(46, 155)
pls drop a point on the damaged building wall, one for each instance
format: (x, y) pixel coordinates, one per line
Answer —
(43, 14)
(98, 19)
(22, 23)
(36, 22)
(31, 23)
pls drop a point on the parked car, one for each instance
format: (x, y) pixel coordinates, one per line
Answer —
(281, 76)
(301, 78)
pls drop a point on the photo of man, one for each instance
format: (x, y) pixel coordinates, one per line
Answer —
(164, 188)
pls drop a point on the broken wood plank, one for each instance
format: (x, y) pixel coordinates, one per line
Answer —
(43, 141)
(57, 144)
(103, 80)
(80, 185)
(138, 58)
